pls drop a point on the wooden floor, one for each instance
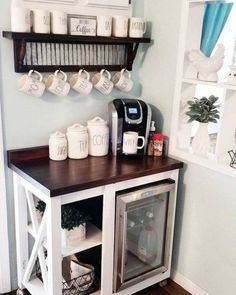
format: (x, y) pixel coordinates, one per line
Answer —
(170, 289)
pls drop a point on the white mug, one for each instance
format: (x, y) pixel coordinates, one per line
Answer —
(137, 27)
(102, 82)
(122, 80)
(31, 85)
(120, 26)
(58, 22)
(56, 85)
(81, 84)
(130, 142)
(20, 19)
(41, 21)
(104, 25)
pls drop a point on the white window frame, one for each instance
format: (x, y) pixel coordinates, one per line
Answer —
(5, 279)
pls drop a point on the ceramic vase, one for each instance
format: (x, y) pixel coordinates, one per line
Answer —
(72, 237)
(201, 141)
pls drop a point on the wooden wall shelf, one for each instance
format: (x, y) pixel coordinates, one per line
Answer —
(48, 52)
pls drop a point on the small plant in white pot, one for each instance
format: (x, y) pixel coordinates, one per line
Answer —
(203, 110)
(73, 223)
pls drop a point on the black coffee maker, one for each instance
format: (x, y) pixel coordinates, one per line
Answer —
(128, 115)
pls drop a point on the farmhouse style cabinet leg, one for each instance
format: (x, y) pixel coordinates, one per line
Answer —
(108, 239)
(21, 229)
(54, 246)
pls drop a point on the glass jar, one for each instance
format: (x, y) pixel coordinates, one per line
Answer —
(158, 140)
(98, 137)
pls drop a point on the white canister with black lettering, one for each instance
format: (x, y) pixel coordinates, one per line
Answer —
(77, 136)
(58, 146)
(98, 137)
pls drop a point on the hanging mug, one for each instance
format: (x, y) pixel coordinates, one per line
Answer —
(122, 80)
(81, 84)
(102, 82)
(57, 85)
(31, 83)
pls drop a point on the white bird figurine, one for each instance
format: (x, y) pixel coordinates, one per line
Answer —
(207, 67)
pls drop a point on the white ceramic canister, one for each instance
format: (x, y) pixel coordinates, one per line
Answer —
(98, 137)
(77, 136)
(58, 146)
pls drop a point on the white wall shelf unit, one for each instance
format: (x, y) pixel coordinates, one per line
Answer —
(214, 84)
(186, 88)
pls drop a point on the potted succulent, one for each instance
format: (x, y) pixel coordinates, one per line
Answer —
(203, 110)
(73, 223)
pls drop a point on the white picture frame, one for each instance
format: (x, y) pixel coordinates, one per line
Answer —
(82, 25)
(121, 4)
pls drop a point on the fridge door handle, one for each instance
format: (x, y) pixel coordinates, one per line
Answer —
(123, 253)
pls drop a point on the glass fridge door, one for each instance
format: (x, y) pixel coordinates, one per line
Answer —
(143, 234)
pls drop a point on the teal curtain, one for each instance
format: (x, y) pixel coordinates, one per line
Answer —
(215, 17)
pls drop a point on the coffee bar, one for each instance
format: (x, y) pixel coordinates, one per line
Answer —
(98, 200)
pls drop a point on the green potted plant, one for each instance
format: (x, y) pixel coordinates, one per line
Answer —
(203, 110)
(73, 223)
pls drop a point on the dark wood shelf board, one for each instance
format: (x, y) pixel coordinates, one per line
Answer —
(58, 178)
(89, 68)
(34, 37)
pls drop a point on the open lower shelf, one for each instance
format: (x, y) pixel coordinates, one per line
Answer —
(210, 162)
(36, 287)
(93, 239)
(214, 84)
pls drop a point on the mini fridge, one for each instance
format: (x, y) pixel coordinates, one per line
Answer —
(143, 230)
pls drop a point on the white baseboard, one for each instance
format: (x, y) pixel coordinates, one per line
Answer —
(187, 284)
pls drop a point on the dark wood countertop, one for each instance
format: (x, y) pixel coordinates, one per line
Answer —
(58, 178)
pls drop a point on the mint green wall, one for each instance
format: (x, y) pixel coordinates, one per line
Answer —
(205, 236)
(29, 121)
